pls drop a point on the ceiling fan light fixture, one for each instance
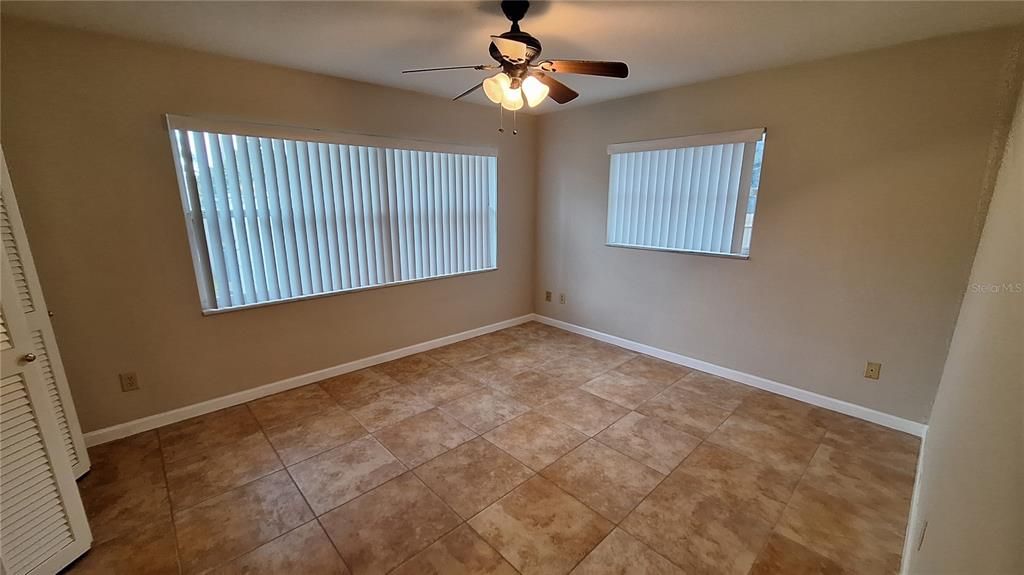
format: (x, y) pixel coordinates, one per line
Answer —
(535, 91)
(496, 86)
(513, 99)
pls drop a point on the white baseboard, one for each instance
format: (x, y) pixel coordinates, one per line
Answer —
(182, 413)
(851, 409)
(912, 537)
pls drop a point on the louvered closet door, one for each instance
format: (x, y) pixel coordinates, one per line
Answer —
(42, 523)
(29, 299)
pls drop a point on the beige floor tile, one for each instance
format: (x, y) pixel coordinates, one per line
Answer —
(149, 550)
(649, 441)
(715, 390)
(458, 353)
(209, 431)
(654, 369)
(532, 388)
(782, 556)
(238, 521)
(313, 435)
(621, 553)
(604, 479)
(305, 550)
(625, 390)
(535, 439)
(538, 528)
(583, 411)
(495, 342)
(343, 473)
(125, 490)
(194, 479)
(604, 354)
(124, 459)
(443, 384)
(519, 358)
(765, 443)
(472, 476)
(289, 406)
(388, 407)
(738, 480)
(713, 513)
(684, 411)
(847, 533)
(572, 369)
(461, 552)
(404, 370)
(487, 370)
(863, 482)
(350, 387)
(787, 414)
(383, 528)
(423, 437)
(696, 531)
(484, 410)
(893, 448)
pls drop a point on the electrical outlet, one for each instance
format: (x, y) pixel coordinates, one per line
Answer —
(873, 370)
(561, 298)
(129, 381)
(547, 296)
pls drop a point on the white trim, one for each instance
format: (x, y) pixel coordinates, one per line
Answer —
(851, 409)
(182, 413)
(752, 135)
(736, 256)
(220, 310)
(912, 537)
(239, 128)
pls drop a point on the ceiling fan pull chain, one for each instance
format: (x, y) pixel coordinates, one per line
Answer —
(514, 130)
(501, 120)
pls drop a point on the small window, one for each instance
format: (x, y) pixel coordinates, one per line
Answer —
(694, 194)
(277, 214)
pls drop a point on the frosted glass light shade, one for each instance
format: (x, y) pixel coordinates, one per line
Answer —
(495, 87)
(513, 99)
(535, 91)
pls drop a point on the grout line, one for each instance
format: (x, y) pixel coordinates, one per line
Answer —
(170, 508)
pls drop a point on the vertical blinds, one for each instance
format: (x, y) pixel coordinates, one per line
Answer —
(276, 218)
(687, 194)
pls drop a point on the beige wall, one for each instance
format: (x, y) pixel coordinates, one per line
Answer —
(91, 165)
(864, 232)
(971, 483)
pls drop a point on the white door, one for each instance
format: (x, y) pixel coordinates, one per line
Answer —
(41, 342)
(43, 526)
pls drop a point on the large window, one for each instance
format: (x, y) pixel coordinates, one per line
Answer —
(277, 213)
(692, 194)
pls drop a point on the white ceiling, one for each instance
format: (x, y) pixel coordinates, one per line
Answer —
(665, 43)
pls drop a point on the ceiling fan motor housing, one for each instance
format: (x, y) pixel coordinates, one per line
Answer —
(532, 48)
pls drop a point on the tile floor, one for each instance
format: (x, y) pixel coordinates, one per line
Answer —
(528, 450)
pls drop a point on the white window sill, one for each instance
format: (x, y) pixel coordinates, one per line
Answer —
(725, 255)
(219, 311)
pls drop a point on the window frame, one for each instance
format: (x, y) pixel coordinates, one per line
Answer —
(188, 193)
(749, 136)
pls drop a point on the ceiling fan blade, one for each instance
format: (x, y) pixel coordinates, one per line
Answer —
(469, 91)
(588, 67)
(559, 92)
(477, 67)
(512, 50)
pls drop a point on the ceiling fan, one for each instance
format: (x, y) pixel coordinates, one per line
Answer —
(522, 77)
